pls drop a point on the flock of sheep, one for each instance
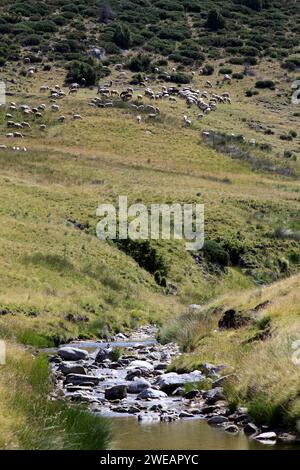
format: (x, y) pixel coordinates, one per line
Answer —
(35, 113)
(206, 101)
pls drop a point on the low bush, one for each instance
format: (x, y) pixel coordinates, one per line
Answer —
(147, 256)
(265, 84)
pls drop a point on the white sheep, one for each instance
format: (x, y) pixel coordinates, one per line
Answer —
(139, 119)
(187, 122)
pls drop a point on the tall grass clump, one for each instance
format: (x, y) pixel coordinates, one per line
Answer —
(31, 420)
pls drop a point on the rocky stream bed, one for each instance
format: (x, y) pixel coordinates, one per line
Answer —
(128, 377)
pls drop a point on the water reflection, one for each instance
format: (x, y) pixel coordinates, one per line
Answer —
(179, 435)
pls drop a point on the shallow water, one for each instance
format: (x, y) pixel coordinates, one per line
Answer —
(93, 345)
(188, 434)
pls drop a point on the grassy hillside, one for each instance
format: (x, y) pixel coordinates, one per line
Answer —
(260, 353)
(57, 280)
(70, 168)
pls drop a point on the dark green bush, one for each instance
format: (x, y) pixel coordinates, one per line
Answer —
(265, 84)
(180, 78)
(208, 69)
(214, 253)
(215, 20)
(140, 63)
(238, 75)
(77, 71)
(225, 70)
(122, 36)
(147, 256)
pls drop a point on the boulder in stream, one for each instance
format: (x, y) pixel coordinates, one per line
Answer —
(140, 365)
(80, 379)
(214, 395)
(170, 381)
(117, 392)
(67, 368)
(68, 353)
(104, 354)
(152, 393)
(138, 384)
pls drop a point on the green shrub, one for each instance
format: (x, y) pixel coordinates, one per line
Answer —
(265, 84)
(238, 76)
(122, 36)
(250, 93)
(147, 256)
(77, 71)
(180, 78)
(208, 69)
(225, 70)
(140, 63)
(214, 253)
(215, 20)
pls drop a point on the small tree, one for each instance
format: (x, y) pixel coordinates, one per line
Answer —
(215, 20)
(122, 36)
(79, 71)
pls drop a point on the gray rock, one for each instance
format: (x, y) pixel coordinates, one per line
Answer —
(185, 414)
(179, 392)
(68, 353)
(214, 395)
(206, 410)
(266, 436)
(55, 360)
(156, 407)
(81, 396)
(138, 384)
(152, 393)
(232, 428)
(242, 419)
(117, 392)
(287, 437)
(250, 428)
(148, 417)
(170, 381)
(67, 368)
(161, 366)
(133, 373)
(211, 370)
(217, 420)
(103, 354)
(140, 365)
(120, 409)
(80, 379)
(76, 388)
(133, 409)
(196, 411)
(120, 336)
(192, 394)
